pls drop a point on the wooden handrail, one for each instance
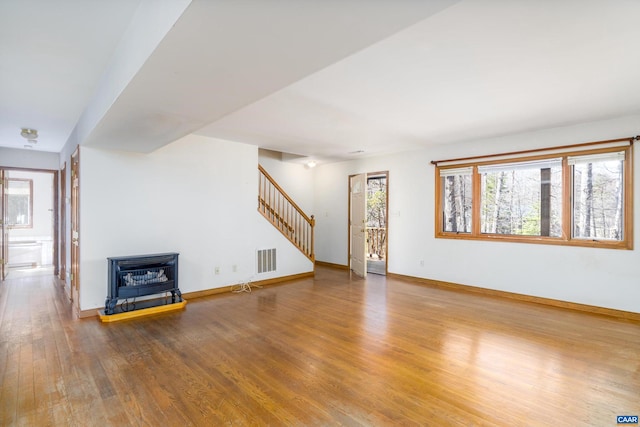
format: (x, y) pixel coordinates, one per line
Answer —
(284, 214)
(275, 184)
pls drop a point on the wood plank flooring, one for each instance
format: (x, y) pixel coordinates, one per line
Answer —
(333, 350)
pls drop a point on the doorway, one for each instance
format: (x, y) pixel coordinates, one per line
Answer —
(368, 228)
(29, 222)
(377, 201)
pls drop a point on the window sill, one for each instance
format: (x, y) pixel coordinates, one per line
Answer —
(540, 240)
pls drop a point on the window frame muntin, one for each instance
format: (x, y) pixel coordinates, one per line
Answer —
(566, 238)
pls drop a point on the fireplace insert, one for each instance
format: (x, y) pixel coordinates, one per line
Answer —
(137, 276)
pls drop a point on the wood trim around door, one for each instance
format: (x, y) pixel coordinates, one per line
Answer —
(56, 224)
(386, 215)
(55, 201)
(75, 230)
(386, 243)
(63, 223)
(4, 239)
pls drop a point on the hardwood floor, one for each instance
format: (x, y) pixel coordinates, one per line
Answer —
(326, 351)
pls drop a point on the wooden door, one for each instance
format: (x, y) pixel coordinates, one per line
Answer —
(63, 223)
(56, 224)
(357, 224)
(4, 236)
(75, 229)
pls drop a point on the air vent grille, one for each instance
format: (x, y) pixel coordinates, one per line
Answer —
(266, 260)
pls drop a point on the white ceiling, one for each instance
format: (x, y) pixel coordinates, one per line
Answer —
(52, 55)
(221, 56)
(323, 79)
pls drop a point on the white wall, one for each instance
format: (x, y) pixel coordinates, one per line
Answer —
(294, 178)
(14, 158)
(601, 277)
(196, 196)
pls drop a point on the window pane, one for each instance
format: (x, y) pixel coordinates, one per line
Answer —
(598, 200)
(523, 199)
(456, 203)
(19, 202)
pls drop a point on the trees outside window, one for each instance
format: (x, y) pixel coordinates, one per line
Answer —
(457, 191)
(598, 196)
(580, 198)
(522, 198)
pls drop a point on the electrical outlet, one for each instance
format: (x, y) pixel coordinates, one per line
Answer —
(216, 270)
(234, 268)
(421, 263)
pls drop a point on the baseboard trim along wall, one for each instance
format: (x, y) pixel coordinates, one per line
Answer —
(332, 265)
(214, 291)
(620, 314)
(266, 282)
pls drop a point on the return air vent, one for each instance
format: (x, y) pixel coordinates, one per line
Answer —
(266, 260)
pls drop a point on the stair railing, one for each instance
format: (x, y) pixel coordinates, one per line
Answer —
(279, 209)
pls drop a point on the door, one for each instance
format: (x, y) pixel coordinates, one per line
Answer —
(4, 237)
(63, 223)
(357, 224)
(56, 223)
(75, 229)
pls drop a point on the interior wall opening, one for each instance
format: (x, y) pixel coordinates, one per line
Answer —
(29, 222)
(377, 223)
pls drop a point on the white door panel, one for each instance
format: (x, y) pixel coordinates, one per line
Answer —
(358, 196)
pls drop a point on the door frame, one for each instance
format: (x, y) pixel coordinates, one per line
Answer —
(74, 291)
(55, 204)
(4, 236)
(386, 243)
(63, 224)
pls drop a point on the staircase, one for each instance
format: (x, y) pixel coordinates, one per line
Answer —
(278, 208)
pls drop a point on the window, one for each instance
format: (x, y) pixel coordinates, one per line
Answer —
(20, 203)
(522, 198)
(457, 190)
(568, 195)
(598, 196)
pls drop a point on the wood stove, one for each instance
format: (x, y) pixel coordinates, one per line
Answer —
(137, 276)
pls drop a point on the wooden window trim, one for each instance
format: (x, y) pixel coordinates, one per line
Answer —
(566, 238)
